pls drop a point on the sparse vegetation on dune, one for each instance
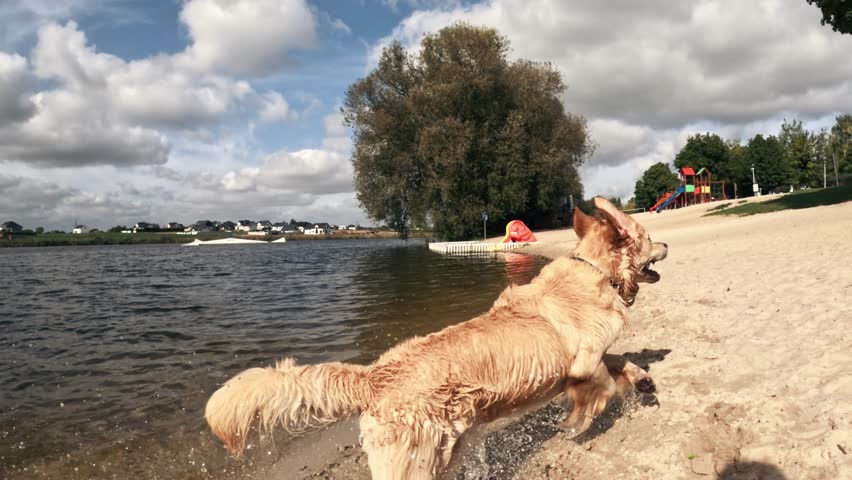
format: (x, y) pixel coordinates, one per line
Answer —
(796, 200)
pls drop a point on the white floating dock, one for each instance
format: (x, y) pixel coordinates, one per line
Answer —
(474, 248)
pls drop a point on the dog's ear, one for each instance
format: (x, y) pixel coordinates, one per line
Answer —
(582, 223)
(625, 225)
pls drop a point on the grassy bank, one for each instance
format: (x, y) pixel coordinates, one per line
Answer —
(795, 200)
(110, 238)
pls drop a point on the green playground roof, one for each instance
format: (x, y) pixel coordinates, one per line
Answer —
(699, 171)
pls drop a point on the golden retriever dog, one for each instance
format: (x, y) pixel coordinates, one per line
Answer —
(418, 398)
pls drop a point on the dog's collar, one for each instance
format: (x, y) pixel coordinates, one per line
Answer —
(611, 281)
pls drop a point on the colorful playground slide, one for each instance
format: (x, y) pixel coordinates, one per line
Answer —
(667, 200)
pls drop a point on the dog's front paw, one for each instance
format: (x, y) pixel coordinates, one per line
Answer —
(639, 378)
(646, 385)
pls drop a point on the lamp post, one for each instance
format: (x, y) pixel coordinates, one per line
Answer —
(755, 188)
(484, 219)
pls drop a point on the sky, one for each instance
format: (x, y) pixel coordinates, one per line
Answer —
(119, 111)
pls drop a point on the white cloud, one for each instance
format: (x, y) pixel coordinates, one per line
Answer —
(21, 19)
(16, 86)
(337, 136)
(307, 171)
(36, 202)
(98, 108)
(338, 24)
(645, 73)
(66, 132)
(246, 36)
(153, 91)
(310, 171)
(163, 120)
(275, 108)
(444, 4)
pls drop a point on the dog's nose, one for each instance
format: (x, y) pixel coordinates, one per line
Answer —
(665, 245)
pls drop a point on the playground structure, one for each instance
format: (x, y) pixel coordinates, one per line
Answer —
(695, 187)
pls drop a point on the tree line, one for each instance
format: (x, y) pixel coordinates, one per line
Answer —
(795, 157)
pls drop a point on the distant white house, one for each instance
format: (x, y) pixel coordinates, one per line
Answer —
(81, 229)
(319, 229)
(341, 227)
(264, 225)
(245, 226)
(350, 227)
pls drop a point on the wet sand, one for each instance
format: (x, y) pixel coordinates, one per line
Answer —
(748, 338)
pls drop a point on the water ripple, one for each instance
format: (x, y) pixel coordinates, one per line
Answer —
(110, 352)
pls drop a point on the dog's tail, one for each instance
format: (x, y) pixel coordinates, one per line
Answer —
(296, 398)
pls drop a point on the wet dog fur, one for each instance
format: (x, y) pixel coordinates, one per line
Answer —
(416, 400)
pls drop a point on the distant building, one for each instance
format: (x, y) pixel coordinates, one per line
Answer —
(81, 229)
(145, 227)
(264, 226)
(10, 227)
(173, 226)
(245, 226)
(227, 226)
(350, 227)
(319, 229)
(205, 226)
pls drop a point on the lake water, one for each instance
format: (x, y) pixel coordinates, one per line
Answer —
(109, 353)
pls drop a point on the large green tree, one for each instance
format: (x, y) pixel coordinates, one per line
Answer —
(657, 180)
(766, 154)
(738, 169)
(456, 129)
(837, 13)
(798, 145)
(821, 144)
(841, 146)
(704, 151)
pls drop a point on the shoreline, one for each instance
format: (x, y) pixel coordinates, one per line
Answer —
(166, 238)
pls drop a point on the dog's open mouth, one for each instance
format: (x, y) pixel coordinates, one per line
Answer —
(646, 273)
(649, 275)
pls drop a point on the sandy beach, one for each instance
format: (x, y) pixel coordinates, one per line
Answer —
(748, 338)
(756, 312)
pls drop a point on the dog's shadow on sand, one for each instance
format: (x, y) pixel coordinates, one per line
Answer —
(505, 451)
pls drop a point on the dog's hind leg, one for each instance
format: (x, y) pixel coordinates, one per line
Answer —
(401, 452)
